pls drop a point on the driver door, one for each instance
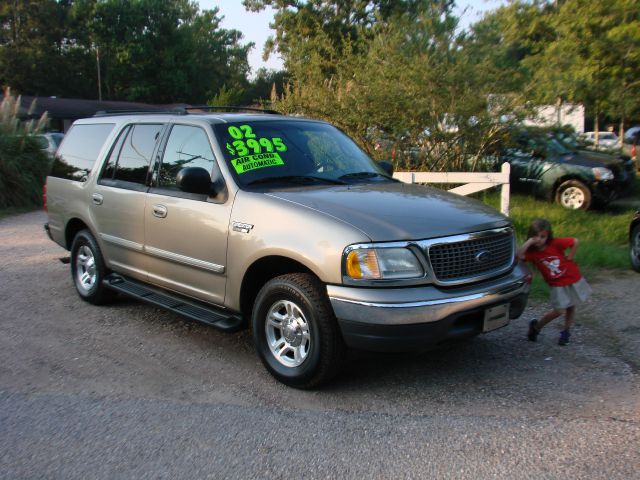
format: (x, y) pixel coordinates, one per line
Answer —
(185, 233)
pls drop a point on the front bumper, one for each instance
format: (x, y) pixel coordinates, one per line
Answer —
(406, 319)
(604, 192)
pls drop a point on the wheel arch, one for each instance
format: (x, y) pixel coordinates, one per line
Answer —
(260, 272)
(71, 230)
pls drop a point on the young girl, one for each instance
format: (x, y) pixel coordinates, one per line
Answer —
(568, 287)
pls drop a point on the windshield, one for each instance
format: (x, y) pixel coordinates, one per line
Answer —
(554, 146)
(264, 152)
(545, 144)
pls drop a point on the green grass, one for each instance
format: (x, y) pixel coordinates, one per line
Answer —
(603, 233)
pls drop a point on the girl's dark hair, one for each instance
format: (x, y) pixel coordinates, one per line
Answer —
(537, 226)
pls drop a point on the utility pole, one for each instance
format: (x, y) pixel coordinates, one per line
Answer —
(99, 80)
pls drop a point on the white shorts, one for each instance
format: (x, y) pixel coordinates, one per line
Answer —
(570, 295)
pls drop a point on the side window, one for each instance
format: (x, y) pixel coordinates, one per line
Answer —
(110, 167)
(79, 150)
(187, 146)
(135, 153)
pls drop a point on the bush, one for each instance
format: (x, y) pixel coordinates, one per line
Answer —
(23, 165)
(23, 169)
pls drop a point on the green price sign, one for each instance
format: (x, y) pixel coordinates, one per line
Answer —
(252, 162)
(245, 142)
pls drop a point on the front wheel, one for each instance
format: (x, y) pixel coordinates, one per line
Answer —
(574, 195)
(295, 331)
(634, 250)
(88, 269)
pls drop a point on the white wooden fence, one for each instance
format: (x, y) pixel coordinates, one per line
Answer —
(474, 182)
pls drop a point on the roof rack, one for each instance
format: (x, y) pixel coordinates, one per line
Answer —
(225, 108)
(107, 113)
(185, 110)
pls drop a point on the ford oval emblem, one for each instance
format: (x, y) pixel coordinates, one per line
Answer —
(483, 256)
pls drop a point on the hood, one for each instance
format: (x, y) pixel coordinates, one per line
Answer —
(397, 211)
(591, 159)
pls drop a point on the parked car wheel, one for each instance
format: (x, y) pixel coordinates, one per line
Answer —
(295, 331)
(88, 269)
(634, 248)
(573, 195)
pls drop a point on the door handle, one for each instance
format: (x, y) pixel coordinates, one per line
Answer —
(159, 211)
(97, 199)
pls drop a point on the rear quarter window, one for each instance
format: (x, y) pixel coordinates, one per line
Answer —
(79, 151)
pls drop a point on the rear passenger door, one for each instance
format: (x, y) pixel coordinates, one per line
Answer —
(186, 234)
(118, 200)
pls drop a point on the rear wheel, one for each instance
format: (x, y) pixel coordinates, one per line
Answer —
(573, 195)
(295, 331)
(88, 269)
(634, 250)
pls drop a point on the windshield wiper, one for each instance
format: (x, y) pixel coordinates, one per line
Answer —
(358, 175)
(303, 179)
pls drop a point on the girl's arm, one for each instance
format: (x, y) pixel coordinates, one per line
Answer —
(523, 249)
(528, 276)
(572, 250)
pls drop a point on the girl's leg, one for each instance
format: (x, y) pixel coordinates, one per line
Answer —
(569, 317)
(551, 315)
(536, 325)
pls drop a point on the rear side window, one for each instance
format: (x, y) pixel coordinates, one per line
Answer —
(79, 151)
(130, 158)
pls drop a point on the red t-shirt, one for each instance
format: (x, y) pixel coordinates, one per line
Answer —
(556, 269)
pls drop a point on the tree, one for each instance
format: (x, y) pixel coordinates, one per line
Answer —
(570, 50)
(403, 84)
(329, 29)
(161, 51)
(158, 51)
(36, 55)
(500, 43)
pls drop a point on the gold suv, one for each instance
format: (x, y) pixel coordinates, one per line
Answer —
(282, 224)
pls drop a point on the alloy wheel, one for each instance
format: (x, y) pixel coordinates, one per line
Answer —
(86, 272)
(288, 334)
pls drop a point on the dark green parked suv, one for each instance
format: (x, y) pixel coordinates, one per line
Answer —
(547, 167)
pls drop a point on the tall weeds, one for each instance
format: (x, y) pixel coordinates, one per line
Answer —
(23, 165)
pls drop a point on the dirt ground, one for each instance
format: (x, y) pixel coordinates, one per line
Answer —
(131, 391)
(612, 315)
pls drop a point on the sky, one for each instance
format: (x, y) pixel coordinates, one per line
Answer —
(255, 26)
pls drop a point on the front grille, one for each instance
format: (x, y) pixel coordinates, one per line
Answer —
(477, 256)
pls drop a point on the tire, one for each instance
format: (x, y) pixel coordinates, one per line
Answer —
(295, 331)
(573, 195)
(88, 270)
(634, 248)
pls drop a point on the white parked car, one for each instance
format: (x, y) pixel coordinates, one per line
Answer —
(49, 142)
(605, 139)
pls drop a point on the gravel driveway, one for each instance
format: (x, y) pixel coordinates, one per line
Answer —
(130, 391)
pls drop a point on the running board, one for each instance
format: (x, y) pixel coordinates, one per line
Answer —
(216, 317)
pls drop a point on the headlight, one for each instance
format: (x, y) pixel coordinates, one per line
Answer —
(382, 263)
(602, 173)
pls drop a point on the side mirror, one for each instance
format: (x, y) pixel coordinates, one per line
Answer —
(195, 180)
(386, 166)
